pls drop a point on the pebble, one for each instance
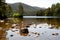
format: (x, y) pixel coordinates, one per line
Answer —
(55, 34)
(11, 35)
(29, 35)
(38, 34)
(39, 27)
(35, 33)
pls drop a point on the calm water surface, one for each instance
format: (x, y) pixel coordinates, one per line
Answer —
(39, 29)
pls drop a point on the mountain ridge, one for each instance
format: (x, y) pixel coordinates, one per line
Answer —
(28, 10)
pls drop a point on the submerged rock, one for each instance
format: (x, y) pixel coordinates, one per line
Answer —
(34, 27)
(42, 33)
(12, 27)
(38, 34)
(55, 34)
(16, 30)
(27, 26)
(11, 35)
(40, 27)
(29, 35)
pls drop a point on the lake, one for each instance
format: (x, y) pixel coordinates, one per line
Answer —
(41, 16)
(39, 29)
(49, 21)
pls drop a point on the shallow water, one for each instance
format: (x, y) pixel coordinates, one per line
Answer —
(54, 22)
(39, 29)
(35, 34)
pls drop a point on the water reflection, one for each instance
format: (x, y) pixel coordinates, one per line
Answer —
(54, 22)
(13, 28)
(6, 25)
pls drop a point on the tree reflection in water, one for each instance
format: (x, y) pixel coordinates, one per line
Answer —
(7, 24)
(54, 22)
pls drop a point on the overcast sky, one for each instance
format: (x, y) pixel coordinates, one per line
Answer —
(38, 3)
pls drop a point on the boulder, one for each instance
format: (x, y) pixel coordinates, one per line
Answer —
(24, 31)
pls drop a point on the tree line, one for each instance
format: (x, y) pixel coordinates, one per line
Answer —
(6, 11)
(54, 10)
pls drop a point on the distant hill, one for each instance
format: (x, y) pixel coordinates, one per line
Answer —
(28, 10)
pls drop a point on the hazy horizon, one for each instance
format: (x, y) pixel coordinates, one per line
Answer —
(38, 3)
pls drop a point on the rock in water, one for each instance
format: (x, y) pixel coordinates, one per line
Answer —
(55, 34)
(27, 26)
(24, 31)
(11, 35)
